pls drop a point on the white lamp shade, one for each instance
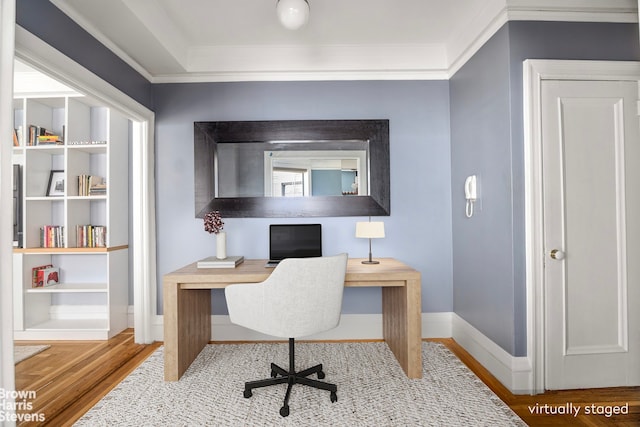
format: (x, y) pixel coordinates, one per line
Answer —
(293, 14)
(370, 230)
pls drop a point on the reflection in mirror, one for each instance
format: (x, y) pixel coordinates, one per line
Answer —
(292, 168)
(286, 169)
(315, 173)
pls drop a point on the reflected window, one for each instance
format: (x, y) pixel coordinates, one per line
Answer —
(289, 182)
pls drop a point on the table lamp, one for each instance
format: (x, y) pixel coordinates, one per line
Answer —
(370, 230)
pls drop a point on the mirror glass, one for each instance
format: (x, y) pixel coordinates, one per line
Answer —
(285, 169)
(292, 168)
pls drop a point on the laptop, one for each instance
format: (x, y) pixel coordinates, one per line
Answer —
(294, 241)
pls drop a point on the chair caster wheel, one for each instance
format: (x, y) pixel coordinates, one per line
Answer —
(334, 397)
(320, 375)
(284, 411)
(247, 394)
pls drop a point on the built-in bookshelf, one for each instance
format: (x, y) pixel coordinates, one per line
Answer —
(73, 154)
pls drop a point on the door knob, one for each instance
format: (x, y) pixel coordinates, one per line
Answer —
(557, 254)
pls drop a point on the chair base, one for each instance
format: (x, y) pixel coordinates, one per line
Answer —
(291, 377)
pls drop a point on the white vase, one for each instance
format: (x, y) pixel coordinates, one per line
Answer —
(221, 245)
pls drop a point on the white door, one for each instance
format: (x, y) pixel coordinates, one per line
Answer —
(591, 196)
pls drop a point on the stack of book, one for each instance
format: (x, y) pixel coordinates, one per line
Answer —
(91, 236)
(41, 136)
(52, 236)
(91, 185)
(213, 262)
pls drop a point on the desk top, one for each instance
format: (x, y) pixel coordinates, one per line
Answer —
(390, 272)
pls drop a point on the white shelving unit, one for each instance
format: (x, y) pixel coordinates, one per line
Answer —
(90, 302)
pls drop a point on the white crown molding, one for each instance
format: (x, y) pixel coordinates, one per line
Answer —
(473, 36)
(574, 10)
(98, 35)
(297, 63)
(293, 76)
(358, 62)
(496, 13)
(392, 57)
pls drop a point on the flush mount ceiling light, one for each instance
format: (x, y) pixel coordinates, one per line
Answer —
(292, 14)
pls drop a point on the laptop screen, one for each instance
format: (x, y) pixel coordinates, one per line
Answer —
(294, 241)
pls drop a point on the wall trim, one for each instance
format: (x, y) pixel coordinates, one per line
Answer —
(7, 369)
(36, 52)
(352, 326)
(534, 72)
(515, 373)
(436, 61)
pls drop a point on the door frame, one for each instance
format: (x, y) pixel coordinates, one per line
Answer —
(534, 73)
(36, 52)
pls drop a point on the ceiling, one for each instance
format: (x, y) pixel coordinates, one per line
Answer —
(229, 40)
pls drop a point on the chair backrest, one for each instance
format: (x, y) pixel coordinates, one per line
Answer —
(307, 294)
(302, 296)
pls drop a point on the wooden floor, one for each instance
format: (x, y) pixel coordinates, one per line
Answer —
(543, 409)
(70, 377)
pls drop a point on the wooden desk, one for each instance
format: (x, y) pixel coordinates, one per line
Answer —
(187, 308)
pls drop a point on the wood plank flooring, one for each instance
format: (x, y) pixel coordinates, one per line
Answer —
(70, 377)
(542, 409)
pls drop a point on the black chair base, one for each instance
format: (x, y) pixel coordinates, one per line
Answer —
(291, 377)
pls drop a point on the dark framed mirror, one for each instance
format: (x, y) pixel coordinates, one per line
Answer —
(292, 168)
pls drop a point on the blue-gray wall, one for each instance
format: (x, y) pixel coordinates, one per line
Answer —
(487, 138)
(419, 228)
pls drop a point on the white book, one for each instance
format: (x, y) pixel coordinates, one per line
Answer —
(213, 262)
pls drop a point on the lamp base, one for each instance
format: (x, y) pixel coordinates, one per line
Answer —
(370, 262)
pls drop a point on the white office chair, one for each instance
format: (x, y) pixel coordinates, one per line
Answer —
(302, 296)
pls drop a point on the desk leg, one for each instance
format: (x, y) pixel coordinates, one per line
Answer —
(187, 327)
(402, 325)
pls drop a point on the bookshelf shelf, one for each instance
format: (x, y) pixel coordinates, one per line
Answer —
(89, 198)
(71, 288)
(95, 278)
(71, 325)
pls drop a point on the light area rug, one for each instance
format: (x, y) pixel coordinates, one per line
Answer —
(23, 352)
(372, 390)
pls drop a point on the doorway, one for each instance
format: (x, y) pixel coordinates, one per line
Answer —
(582, 157)
(32, 50)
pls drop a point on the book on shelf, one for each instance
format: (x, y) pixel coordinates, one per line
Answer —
(213, 262)
(44, 275)
(91, 236)
(49, 140)
(16, 141)
(52, 236)
(91, 185)
(41, 136)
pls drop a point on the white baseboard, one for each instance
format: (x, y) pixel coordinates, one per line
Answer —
(352, 326)
(515, 373)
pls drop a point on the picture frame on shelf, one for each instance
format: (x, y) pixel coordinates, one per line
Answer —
(55, 188)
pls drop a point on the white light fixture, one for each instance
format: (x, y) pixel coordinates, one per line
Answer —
(293, 14)
(370, 230)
